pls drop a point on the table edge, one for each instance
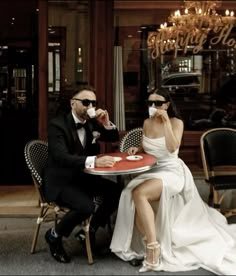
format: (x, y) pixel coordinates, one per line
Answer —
(123, 172)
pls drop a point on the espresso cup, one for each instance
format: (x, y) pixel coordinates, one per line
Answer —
(91, 112)
(152, 111)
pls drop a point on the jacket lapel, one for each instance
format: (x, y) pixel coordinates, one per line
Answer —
(74, 133)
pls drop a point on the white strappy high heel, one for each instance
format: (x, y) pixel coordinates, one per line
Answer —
(156, 258)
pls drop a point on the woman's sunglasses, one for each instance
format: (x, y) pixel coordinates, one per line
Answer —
(156, 103)
(86, 102)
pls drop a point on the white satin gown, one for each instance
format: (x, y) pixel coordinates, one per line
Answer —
(191, 234)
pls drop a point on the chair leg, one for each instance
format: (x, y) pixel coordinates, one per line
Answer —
(36, 233)
(210, 196)
(38, 224)
(216, 200)
(87, 241)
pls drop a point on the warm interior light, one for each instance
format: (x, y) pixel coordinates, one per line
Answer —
(192, 27)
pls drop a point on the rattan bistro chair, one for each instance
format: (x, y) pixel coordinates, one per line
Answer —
(36, 153)
(131, 139)
(218, 152)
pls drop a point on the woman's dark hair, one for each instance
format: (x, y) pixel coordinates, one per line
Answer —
(172, 109)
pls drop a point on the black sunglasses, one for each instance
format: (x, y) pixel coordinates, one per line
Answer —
(156, 103)
(86, 102)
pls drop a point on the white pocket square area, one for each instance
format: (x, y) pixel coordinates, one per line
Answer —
(96, 135)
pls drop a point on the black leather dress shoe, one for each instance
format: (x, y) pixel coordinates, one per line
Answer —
(135, 262)
(56, 248)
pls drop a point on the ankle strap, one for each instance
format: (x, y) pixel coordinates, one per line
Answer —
(153, 245)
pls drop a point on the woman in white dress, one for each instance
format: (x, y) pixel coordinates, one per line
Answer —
(161, 217)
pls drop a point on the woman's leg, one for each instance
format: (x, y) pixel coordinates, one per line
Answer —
(139, 225)
(143, 195)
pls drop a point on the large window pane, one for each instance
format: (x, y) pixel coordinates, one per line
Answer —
(201, 84)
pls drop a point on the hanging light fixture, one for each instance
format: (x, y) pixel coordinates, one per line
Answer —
(190, 29)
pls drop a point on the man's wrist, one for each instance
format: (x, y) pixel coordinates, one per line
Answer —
(110, 126)
(90, 162)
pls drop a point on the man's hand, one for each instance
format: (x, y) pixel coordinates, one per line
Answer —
(102, 117)
(105, 162)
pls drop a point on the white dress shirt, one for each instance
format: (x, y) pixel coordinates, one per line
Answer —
(90, 160)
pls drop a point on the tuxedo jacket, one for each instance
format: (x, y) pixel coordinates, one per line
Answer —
(66, 155)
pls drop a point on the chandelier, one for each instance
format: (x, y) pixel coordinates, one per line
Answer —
(190, 29)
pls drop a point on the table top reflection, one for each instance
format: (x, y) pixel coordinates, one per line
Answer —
(124, 166)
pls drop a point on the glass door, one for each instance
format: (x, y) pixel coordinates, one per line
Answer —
(18, 113)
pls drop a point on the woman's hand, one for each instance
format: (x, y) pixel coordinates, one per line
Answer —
(132, 150)
(162, 113)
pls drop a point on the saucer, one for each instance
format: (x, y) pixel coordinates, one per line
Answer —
(134, 157)
(117, 158)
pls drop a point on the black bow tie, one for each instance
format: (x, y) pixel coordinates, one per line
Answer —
(80, 125)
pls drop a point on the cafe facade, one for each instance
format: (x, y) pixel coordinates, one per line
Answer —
(125, 49)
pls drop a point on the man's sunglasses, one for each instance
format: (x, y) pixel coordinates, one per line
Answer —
(86, 102)
(156, 103)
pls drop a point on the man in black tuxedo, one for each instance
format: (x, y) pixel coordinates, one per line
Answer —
(72, 146)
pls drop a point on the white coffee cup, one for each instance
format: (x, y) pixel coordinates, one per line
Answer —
(152, 111)
(91, 112)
